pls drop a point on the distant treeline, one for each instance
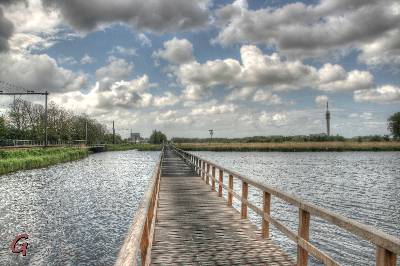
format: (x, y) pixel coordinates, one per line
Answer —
(279, 139)
(26, 121)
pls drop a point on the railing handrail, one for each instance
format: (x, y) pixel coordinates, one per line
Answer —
(134, 247)
(380, 239)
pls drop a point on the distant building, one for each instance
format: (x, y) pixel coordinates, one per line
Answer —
(135, 137)
(328, 120)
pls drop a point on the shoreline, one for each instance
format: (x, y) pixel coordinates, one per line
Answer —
(14, 160)
(334, 146)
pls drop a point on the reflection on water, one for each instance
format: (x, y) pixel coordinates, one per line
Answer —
(364, 186)
(75, 213)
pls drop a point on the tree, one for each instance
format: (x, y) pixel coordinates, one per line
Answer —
(394, 125)
(157, 137)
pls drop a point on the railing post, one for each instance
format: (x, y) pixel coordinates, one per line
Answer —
(221, 180)
(213, 179)
(304, 232)
(266, 210)
(230, 195)
(202, 169)
(245, 192)
(385, 257)
(207, 173)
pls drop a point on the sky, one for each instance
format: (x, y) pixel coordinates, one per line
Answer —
(242, 68)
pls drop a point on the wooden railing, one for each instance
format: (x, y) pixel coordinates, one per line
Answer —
(136, 249)
(387, 247)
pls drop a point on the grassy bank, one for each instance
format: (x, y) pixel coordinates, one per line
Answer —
(294, 146)
(23, 159)
(139, 147)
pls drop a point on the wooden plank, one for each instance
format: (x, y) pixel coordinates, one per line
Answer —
(195, 227)
(385, 257)
(220, 182)
(213, 179)
(266, 210)
(304, 233)
(207, 174)
(245, 192)
(230, 195)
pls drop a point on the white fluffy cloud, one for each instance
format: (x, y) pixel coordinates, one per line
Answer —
(275, 119)
(168, 99)
(304, 30)
(118, 69)
(35, 26)
(39, 71)
(214, 108)
(176, 51)
(382, 94)
(258, 70)
(87, 59)
(321, 100)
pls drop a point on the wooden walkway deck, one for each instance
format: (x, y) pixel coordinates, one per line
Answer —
(182, 220)
(196, 227)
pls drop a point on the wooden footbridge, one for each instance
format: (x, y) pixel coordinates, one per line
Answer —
(184, 219)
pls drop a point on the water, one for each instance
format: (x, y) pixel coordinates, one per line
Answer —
(75, 213)
(364, 186)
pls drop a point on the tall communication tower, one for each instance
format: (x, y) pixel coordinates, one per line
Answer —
(328, 120)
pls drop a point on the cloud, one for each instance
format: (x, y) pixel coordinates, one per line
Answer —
(6, 31)
(264, 71)
(383, 94)
(87, 59)
(123, 51)
(144, 40)
(172, 119)
(153, 15)
(302, 30)
(36, 27)
(118, 69)
(39, 71)
(213, 108)
(266, 97)
(176, 51)
(335, 78)
(66, 60)
(276, 119)
(321, 100)
(383, 50)
(168, 99)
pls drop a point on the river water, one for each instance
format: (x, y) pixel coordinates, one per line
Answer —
(78, 213)
(74, 213)
(364, 186)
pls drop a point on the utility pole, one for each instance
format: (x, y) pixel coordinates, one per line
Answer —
(46, 118)
(211, 132)
(113, 133)
(328, 120)
(86, 133)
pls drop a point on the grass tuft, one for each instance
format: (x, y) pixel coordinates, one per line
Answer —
(13, 160)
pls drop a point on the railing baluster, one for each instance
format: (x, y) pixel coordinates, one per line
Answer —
(213, 179)
(266, 210)
(304, 232)
(202, 170)
(245, 192)
(230, 195)
(385, 257)
(221, 180)
(208, 172)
